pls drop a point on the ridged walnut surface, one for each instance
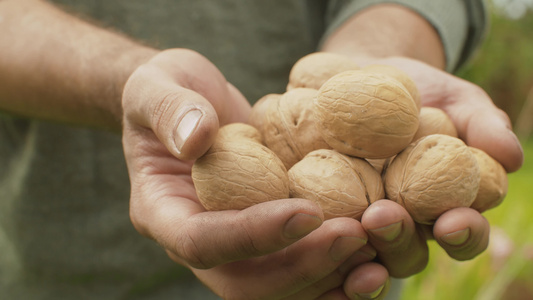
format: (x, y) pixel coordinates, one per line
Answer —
(364, 114)
(399, 75)
(343, 186)
(431, 176)
(434, 120)
(288, 127)
(238, 171)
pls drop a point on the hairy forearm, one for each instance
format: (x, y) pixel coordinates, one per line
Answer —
(387, 30)
(56, 67)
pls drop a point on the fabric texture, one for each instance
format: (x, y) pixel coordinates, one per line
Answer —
(461, 24)
(65, 231)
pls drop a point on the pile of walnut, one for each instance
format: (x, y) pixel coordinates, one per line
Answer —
(345, 137)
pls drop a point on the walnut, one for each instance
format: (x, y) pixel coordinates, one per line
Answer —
(365, 114)
(432, 175)
(343, 186)
(238, 171)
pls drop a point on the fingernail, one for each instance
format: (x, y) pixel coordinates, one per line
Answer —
(300, 225)
(345, 246)
(186, 127)
(371, 295)
(456, 238)
(389, 232)
(516, 140)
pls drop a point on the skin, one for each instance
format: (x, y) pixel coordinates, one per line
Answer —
(169, 114)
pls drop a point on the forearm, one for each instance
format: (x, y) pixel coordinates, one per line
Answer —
(56, 67)
(387, 30)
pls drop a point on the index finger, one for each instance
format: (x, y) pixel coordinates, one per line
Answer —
(484, 126)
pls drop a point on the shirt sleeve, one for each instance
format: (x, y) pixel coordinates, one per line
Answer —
(461, 24)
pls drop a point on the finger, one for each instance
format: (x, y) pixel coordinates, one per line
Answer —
(334, 281)
(482, 125)
(322, 252)
(392, 232)
(334, 294)
(206, 239)
(184, 120)
(194, 72)
(295, 268)
(368, 281)
(462, 232)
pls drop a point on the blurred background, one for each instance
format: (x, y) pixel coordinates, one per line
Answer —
(503, 66)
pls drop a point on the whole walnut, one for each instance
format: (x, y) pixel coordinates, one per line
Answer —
(343, 186)
(432, 175)
(287, 125)
(365, 114)
(493, 184)
(312, 70)
(238, 171)
(434, 120)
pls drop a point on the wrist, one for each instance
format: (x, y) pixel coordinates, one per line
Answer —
(387, 30)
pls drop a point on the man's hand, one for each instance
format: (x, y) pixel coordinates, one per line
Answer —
(398, 36)
(478, 121)
(462, 232)
(173, 106)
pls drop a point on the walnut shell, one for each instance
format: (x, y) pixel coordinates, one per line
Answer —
(288, 126)
(493, 184)
(312, 70)
(399, 75)
(257, 114)
(365, 114)
(434, 120)
(238, 171)
(343, 186)
(432, 175)
(380, 164)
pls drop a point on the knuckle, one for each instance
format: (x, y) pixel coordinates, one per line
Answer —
(248, 246)
(161, 110)
(187, 249)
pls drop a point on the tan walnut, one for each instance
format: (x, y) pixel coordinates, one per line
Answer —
(343, 186)
(287, 125)
(238, 171)
(258, 112)
(312, 70)
(432, 175)
(434, 120)
(494, 183)
(365, 114)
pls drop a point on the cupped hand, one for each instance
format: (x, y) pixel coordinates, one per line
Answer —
(173, 106)
(462, 232)
(479, 122)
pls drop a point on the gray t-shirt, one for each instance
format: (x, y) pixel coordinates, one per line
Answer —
(65, 231)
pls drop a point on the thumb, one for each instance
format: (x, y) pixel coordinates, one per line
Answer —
(207, 239)
(185, 122)
(181, 118)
